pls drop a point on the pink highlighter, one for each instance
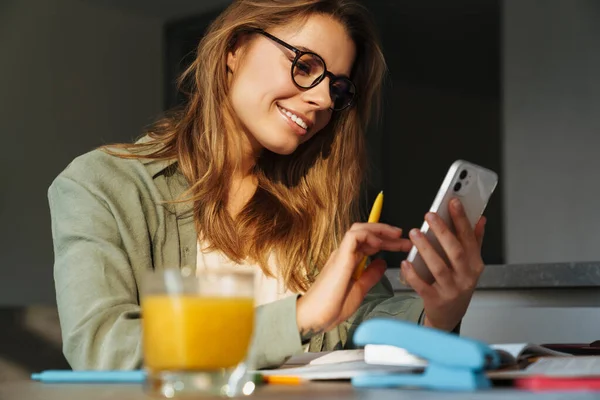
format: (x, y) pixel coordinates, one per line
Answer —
(547, 383)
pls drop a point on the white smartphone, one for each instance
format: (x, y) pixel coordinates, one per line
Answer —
(473, 185)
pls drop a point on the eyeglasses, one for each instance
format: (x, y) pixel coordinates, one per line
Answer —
(309, 69)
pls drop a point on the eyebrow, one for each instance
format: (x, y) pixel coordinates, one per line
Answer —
(304, 49)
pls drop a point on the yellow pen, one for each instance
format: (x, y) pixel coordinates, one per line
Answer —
(373, 217)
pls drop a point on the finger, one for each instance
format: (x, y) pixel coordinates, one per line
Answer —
(480, 230)
(383, 230)
(449, 242)
(372, 247)
(364, 242)
(435, 263)
(355, 245)
(464, 231)
(401, 244)
(371, 275)
(422, 288)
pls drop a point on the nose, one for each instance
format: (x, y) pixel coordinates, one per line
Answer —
(319, 96)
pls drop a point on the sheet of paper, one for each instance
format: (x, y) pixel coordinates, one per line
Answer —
(339, 356)
(325, 357)
(343, 370)
(517, 350)
(514, 349)
(580, 366)
(571, 366)
(371, 354)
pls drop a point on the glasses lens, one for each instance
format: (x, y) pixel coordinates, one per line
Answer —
(307, 70)
(342, 92)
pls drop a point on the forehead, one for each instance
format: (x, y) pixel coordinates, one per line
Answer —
(325, 36)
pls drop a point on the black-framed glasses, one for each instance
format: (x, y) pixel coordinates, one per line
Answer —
(309, 69)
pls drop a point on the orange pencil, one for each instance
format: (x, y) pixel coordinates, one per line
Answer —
(283, 380)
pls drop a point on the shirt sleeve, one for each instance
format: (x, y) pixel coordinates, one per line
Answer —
(95, 284)
(382, 302)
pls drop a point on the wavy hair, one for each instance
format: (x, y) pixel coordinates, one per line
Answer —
(305, 201)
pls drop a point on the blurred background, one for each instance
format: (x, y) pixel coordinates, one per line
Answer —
(510, 84)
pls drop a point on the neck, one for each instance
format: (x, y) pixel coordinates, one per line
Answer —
(250, 151)
(243, 182)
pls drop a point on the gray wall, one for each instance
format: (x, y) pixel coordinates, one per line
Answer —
(73, 75)
(551, 170)
(552, 130)
(534, 316)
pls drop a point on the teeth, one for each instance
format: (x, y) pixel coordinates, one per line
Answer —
(295, 118)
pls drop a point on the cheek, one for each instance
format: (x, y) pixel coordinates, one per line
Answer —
(260, 80)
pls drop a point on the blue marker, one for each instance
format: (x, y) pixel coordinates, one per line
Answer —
(66, 376)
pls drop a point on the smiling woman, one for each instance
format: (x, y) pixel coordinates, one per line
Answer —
(259, 169)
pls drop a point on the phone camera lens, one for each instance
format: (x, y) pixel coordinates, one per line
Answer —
(463, 174)
(457, 186)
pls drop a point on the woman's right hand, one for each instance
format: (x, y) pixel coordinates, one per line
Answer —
(335, 295)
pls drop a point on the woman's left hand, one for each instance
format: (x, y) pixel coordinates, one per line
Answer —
(447, 299)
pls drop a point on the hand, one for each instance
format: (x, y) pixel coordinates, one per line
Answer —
(335, 295)
(447, 299)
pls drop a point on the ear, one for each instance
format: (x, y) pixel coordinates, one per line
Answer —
(232, 59)
(234, 53)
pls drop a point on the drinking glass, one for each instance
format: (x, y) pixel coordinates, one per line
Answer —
(197, 330)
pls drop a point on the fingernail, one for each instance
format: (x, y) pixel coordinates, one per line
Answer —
(430, 217)
(414, 233)
(456, 204)
(396, 228)
(404, 265)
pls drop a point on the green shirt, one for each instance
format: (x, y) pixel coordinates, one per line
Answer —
(110, 225)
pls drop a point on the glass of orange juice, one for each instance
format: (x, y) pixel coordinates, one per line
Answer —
(197, 331)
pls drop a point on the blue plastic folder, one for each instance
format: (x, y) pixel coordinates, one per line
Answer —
(66, 376)
(454, 363)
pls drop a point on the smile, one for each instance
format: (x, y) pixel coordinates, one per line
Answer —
(294, 118)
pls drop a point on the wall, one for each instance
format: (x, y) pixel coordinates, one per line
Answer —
(551, 168)
(442, 103)
(551, 130)
(74, 75)
(534, 316)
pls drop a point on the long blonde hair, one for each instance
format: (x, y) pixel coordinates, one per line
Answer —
(305, 201)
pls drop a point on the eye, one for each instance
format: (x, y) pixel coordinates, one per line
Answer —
(303, 67)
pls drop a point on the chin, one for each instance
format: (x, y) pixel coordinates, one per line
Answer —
(283, 148)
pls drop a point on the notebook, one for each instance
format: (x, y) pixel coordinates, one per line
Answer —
(346, 364)
(335, 365)
(510, 354)
(572, 366)
(337, 371)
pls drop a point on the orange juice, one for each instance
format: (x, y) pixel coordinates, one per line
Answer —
(195, 333)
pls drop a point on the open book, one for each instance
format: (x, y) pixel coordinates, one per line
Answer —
(376, 359)
(334, 365)
(516, 353)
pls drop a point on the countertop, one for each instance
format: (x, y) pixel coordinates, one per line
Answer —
(532, 275)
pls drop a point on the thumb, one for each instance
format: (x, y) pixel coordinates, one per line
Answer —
(371, 275)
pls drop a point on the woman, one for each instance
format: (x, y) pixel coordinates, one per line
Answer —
(269, 146)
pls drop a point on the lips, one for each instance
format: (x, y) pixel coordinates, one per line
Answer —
(298, 123)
